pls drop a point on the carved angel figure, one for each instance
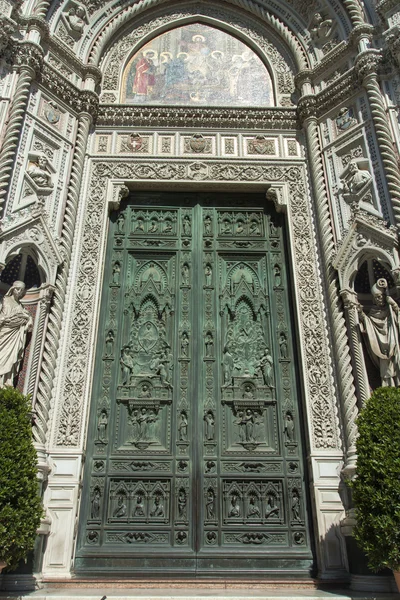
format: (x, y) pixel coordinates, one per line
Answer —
(76, 19)
(15, 323)
(382, 330)
(39, 173)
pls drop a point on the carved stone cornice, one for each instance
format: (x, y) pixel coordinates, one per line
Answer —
(392, 45)
(337, 92)
(81, 101)
(29, 55)
(225, 118)
(367, 63)
(7, 28)
(71, 60)
(384, 6)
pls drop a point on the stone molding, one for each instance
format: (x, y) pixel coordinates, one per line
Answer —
(176, 116)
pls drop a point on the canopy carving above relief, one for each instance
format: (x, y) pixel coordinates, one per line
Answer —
(196, 65)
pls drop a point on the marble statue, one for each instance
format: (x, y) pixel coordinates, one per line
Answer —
(15, 323)
(381, 329)
(76, 19)
(355, 179)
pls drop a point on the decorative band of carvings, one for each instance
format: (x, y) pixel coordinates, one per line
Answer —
(29, 55)
(79, 100)
(152, 116)
(75, 385)
(335, 93)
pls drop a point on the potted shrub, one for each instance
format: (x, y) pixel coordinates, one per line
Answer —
(376, 489)
(20, 505)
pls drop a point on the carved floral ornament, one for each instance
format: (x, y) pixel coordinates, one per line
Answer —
(75, 386)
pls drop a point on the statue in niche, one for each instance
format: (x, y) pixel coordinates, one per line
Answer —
(76, 19)
(255, 228)
(110, 338)
(153, 227)
(239, 228)
(277, 276)
(134, 421)
(296, 505)
(248, 393)
(185, 345)
(182, 503)
(354, 178)
(209, 343)
(15, 323)
(145, 392)
(185, 274)
(38, 171)
(253, 510)
(139, 508)
(152, 419)
(95, 509)
(158, 508)
(248, 418)
(272, 507)
(241, 423)
(273, 228)
(102, 425)
(209, 426)
(208, 275)
(265, 365)
(381, 329)
(120, 223)
(168, 226)
(186, 225)
(210, 505)
(234, 510)
(289, 427)
(127, 364)
(116, 272)
(120, 511)
(227, 367)
(139, 225)
(321, 29)
(283, 345)
(183, 427)
(143, 424)
(226, 227)
(207, 225)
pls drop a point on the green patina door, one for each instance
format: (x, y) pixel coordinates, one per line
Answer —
(195, 462)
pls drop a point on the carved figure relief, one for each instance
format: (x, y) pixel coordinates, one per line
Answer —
(283, 346)
(321, 30)
(185, 345)
(265, 365)
(289, 427)
(102, 425)
(209, 420)
(15, 324)
(39, 172)
(355, 181)
(76, 19)
(210, 505)
(120, 511)
(121, 223)
(116, 273)
(296, 505)
(183, 427)
(158, 508)
(182, 505)
(381, 331)
(95, 507)
(109, 343)
(209, 345)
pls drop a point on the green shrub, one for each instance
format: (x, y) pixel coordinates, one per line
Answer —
(376, 490)
(20, 505)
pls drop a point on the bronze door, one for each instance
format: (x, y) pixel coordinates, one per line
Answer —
(194, 447)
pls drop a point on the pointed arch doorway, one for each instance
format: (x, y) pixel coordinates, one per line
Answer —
(195, 463)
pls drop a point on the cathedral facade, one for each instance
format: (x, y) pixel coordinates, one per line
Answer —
(202, 200)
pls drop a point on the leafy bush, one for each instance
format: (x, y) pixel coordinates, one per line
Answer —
(20, 505)
(376, 490)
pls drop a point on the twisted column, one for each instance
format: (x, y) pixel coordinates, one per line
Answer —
(46, 376)
(345, 380)
(13, 130)
(355, 12)
(351, 305)
(366, 66)
(29, 60)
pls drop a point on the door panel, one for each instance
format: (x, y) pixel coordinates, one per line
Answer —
(195, 462)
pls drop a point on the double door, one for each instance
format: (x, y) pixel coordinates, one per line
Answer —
(194, 452)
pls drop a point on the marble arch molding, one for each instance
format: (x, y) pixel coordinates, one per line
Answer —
(292, 21)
